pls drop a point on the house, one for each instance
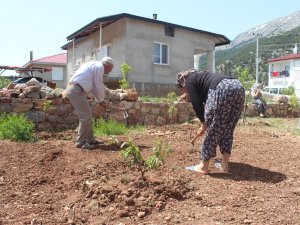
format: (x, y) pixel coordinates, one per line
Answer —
(52, 68)
(156, 50)
(285, 71)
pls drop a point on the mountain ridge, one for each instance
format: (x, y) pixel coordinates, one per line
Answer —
(272, 28)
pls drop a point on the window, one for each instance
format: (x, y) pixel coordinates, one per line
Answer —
(169, 31)
(160, 53)
(57, 73)
(274, 90)
(104, 51)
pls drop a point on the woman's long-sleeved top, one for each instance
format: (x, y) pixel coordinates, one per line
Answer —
(198, 85)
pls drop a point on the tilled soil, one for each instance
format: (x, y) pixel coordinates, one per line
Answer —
(52, 182)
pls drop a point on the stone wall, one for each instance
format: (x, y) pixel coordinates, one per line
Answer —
(49, 111)
(282, 110)
(58, 113)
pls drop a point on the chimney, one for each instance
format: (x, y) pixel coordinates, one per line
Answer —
(155, 16)
(31, 55)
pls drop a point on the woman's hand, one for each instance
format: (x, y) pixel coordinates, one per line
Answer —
(202, 129)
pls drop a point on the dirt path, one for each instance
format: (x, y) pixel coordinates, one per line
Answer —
(51, 182)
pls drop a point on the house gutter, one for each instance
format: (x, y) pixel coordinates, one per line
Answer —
(73, 55)
(100, 40)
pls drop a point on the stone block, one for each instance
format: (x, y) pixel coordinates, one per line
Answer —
(21, 107)
(35, 116)
(5, 107)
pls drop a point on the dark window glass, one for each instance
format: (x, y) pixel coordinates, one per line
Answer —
(169, 31)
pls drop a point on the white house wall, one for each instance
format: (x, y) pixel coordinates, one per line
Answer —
(131, 41)
(88, 47)
(293, 79)
(279, 81)
(140, 36)
(48, 75)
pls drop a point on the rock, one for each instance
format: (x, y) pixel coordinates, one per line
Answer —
(34, 82)
(5, 107)
(281, 99)
(122, 213)
(131, 95)
(21, 107)
(141, 214)
(48, 93)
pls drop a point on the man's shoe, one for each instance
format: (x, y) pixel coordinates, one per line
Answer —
(79, 145)
(88, 146)
(97, 142)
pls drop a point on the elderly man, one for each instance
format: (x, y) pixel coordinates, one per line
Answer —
(88, 79)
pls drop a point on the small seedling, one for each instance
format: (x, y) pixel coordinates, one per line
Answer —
(125, 180)
(133, 154)
(113, 140)
(171, 100)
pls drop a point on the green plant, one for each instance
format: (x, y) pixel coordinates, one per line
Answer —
(125, 180)
(147, 98)
(4, 82)
(288, 91)
(294, 103)
(16, 128)
(133, 154)
(113, 140)
(171, 100)
(47, 105)
(110, 127)
(126, 69)
(159, 149)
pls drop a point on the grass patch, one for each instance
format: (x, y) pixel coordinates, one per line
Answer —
(152, 99)
(16, 128)
(112, 127)
(283, 125)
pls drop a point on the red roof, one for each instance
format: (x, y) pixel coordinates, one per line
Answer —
(286, 57)
(59, 58)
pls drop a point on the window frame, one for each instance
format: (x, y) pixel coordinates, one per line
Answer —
(154, 55)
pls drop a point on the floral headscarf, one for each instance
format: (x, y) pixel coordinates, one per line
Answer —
(182, 76)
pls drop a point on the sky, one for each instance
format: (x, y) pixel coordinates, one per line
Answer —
(42, 26)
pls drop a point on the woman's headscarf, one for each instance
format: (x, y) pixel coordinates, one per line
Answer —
(182, 76)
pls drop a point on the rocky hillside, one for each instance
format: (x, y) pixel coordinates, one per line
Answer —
(272, 28)
(276, 38)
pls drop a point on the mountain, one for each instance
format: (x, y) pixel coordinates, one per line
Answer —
(273, 28)
(276, 38)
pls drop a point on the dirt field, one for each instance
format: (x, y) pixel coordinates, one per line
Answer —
(52, 182)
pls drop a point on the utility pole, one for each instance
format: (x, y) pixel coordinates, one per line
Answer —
(256, 73)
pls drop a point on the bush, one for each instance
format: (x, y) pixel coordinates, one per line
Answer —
(288, 91)
(4, 82)
(16, 128)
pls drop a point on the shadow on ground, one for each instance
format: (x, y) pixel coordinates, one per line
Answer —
(245, 172)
